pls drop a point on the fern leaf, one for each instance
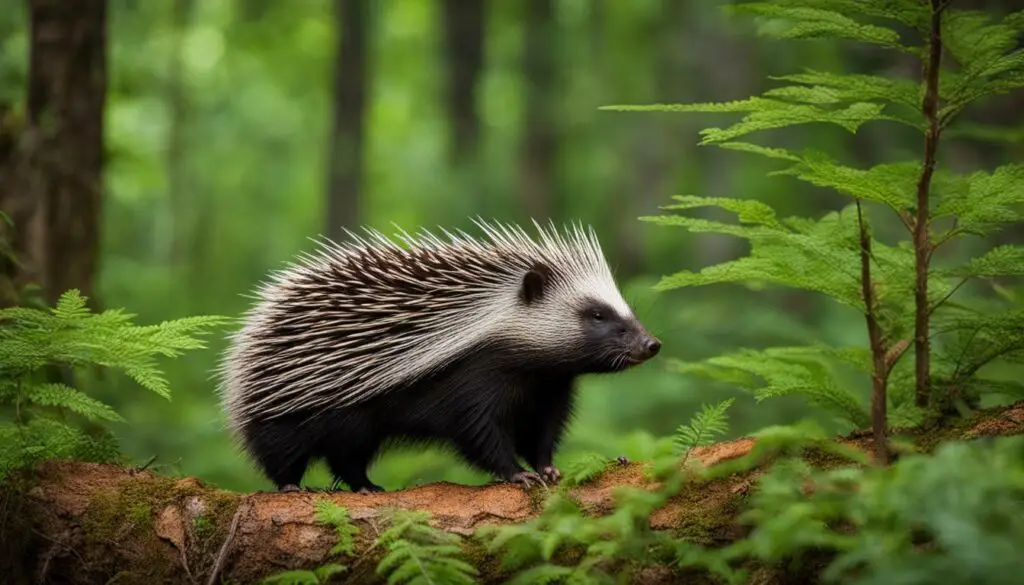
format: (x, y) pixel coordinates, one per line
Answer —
(891, 184)
(982, 202)
(822, 87)
(700, 432)
(909, 12)
(768, 376)
(1006, 260)
(74, 400)
(748, 211)
(793, 21)
(327, 512)
(583, 468)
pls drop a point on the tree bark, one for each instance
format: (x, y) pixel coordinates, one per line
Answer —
(540, 145)
(351, 77)
(83, 523)
(52, 177)
(463, 25)
(177, 173)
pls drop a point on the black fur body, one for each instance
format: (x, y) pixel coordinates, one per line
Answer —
(493, 413)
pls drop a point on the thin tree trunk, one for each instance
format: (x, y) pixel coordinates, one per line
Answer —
(540, 146)
(351, 75)
(177, 189)
(463, 25)
(52, 184)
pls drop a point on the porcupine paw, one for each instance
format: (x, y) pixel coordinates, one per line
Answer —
(289, 487)
(527, 479)
(551, 474)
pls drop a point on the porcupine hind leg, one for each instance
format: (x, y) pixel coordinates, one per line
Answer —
(349, 449)
(349, 466)
(281, 455)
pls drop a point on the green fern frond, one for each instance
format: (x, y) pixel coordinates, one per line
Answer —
(1006, 260)
(793, 21)
(584, 467)
(702, 428)
(302, 577)
(982, 202)
(823, 87)
(908, 12)
(768, 376)
(419, 554)
(893, 184)
(74, 400)
(70, 335)
(327, 512)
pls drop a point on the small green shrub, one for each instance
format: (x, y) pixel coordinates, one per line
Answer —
(46, 419)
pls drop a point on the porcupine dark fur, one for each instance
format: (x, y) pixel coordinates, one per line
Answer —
(472, 343)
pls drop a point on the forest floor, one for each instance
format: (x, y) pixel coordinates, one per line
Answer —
(74, 522)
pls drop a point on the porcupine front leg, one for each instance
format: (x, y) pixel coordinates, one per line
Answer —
(541, 431)
(487, 446)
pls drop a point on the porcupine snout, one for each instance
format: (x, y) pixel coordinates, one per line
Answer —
(644, 347)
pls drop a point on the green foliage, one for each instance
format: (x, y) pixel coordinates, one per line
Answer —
(951, 517)
(611, 545)
(316, 576)
(838, 255)
(331, 514)
(419, 554)
(710, 421)
(582, 468)
(41, 412)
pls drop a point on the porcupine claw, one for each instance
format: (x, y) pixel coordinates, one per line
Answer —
(289, 487)
(551, 474)
(527, 479)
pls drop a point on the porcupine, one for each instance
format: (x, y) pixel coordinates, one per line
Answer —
(473, 342)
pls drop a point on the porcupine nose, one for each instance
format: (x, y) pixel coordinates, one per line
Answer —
(652, 347)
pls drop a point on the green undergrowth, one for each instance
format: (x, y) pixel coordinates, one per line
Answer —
(817, 507)
(44, 414)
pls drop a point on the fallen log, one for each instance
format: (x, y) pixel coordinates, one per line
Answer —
(83, 523)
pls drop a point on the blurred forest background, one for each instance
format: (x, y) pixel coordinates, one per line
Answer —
(235, 130)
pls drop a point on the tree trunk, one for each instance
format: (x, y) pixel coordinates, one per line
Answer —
(540, 145)
(177, 175)
(52, 177)
(463, 25)
(345, 152)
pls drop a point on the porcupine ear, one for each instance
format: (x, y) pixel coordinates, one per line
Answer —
(535, 284)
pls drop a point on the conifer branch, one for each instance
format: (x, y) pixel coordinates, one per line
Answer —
(922, 239)
(880, 367)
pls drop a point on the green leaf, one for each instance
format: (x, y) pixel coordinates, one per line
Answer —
(67, 397)
(893, 184)
(770, 376)
(834, 88)
(701, 430)
(981, 202)
(1006, 260)
(794, 21)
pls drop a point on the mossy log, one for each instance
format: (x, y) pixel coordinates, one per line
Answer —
(83, 523)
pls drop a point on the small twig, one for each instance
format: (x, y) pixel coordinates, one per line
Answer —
(947, 296)
(223, 554)
(146, 465)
